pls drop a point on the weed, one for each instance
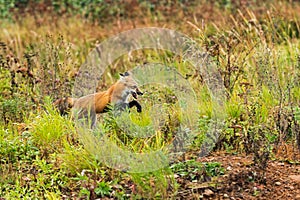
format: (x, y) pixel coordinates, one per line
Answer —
(255, 50)
(103, 189)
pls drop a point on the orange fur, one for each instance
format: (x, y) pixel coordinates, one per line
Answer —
(117, 94)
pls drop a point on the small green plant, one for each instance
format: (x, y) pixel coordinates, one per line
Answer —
(103, 189)
(214, 169)
(157, 184)
(85, 193)
(196, 171)
(50, 129)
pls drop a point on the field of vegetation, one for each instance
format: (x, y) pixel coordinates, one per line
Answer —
(256, 48)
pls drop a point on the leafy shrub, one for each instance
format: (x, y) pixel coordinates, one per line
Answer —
(5, 7)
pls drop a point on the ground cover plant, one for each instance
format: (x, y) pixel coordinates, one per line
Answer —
(255, 46)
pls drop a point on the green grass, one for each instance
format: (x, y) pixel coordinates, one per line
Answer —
(44, 155)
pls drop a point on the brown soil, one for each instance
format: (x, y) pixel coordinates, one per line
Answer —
(242, 180)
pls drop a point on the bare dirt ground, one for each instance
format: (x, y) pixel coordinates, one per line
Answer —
(241, 180)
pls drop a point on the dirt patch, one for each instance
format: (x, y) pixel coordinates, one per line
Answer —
(242, 180)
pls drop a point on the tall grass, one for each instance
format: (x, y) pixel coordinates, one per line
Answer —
(42, 154)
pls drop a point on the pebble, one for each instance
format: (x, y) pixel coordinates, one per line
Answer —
(208, 192)
(277, 183)
(289, 187)
(297, 197)
(225, 196)
(280, 164)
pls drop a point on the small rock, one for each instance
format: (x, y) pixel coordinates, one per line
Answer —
(208, 193)
(225, 196)
(229, 168)
(289, 187)
(254, 188)
(232, 198)
(280, 164)
(297, 197)
(277, 183)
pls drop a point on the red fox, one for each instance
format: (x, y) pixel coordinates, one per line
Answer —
(92, 104)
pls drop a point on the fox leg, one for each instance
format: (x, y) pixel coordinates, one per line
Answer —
(124, 106)
(86, 117)
(136, 104)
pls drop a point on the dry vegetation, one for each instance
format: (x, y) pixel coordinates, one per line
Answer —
(256, 47)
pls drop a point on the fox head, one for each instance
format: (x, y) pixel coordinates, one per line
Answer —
(130, 84)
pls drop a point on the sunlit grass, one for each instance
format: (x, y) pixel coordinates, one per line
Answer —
(43, 154)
